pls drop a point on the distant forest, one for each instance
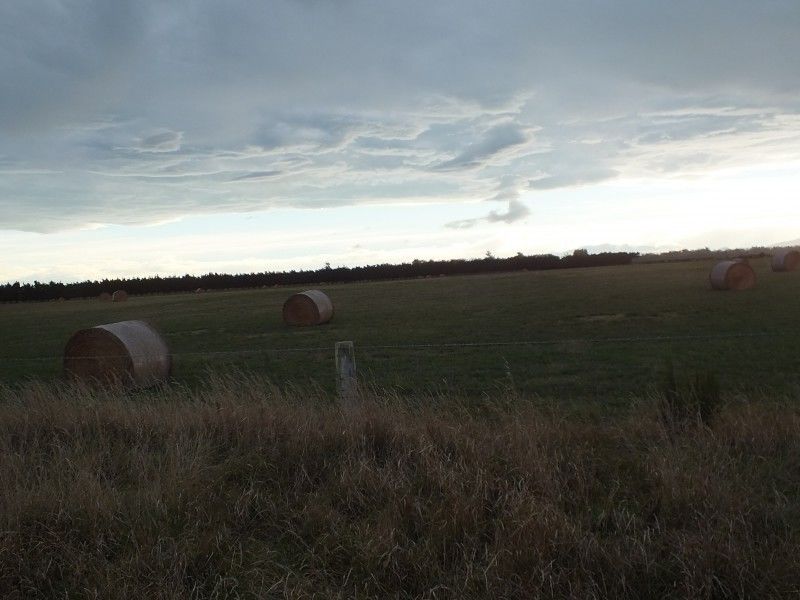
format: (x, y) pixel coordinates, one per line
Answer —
(38, 291)
(704, 254)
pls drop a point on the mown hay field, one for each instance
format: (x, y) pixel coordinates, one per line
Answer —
(597, 326)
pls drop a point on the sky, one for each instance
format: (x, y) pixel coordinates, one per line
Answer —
(144, 137)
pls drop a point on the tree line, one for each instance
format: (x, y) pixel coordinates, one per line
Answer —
(39, 291)
(705, 254)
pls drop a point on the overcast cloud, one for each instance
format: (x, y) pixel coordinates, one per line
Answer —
(139, 111)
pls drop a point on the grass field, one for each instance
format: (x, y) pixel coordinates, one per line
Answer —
(238, 490)
(460, 472)
(573, 310)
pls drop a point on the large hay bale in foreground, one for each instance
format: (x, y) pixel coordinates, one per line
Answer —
(104, 297)
(733, 275)
(786, 260)
(311, 307)
(120, 296)
(128, 352)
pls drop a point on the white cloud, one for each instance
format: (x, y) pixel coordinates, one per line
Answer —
(139, 111)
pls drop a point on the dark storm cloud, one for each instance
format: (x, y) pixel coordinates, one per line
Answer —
(65, 60)
(138, 110)
(516, 211)
(578, 177)
(256, 175)
(494, 142)
(508, 190)
(166, 141)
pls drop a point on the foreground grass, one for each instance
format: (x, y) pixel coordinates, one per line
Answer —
(241, 490)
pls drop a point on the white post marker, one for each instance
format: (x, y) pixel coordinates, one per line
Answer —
(345, 371)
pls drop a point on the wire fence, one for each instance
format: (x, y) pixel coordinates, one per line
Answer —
(427, 345)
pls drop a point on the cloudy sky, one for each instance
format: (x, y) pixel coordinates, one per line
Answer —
(146, 137)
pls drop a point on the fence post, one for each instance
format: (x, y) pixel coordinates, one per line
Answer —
(345, 371)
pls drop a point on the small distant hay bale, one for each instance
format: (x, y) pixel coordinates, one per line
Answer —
(62, 299)
(120, 296)
(131, 353)
(732, 275)
(311, 307)
(199, 291)
(786, 260)
(104, 297)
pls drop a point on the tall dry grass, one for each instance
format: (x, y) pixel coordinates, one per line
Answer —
(242, 490)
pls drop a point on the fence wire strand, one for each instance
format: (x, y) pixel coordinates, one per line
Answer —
(423, 346)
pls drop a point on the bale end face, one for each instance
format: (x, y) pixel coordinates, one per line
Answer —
(732, 275)
(96, 355)
(311, 307)
(786, 260)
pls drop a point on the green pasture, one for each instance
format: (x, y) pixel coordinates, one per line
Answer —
(579, 314)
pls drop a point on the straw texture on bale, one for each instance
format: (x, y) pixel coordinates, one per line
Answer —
(104, 297)
(786, 260)
(129, 352)
(732, 275)
(120, 296)
(311, 307)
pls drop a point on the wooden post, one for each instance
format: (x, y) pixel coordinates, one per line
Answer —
(345, 371)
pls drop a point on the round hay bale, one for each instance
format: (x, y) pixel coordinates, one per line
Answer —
(104, 297)
(732, 275)
(129, 352)
(311, 307)
(786, 260)
(199, 291)
(120, 296)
